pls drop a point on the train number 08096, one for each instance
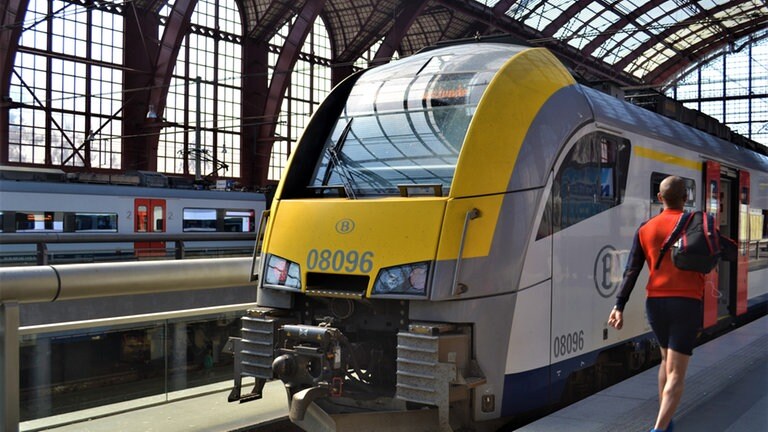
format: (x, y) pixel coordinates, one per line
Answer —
(568, 343)
(338, 260)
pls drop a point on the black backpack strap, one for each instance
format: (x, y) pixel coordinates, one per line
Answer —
(673, 236)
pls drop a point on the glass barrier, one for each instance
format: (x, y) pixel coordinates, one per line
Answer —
(72, 370)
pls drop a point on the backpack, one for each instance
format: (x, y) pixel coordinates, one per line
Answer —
(695, 243)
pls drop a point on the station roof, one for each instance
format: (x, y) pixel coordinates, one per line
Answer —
(631, 42)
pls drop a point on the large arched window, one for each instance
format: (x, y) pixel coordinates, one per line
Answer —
(732, 87)
(210, 59)
(66, 85)
(310, 84)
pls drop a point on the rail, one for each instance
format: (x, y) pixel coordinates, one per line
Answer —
(19, 285)
(42, 240)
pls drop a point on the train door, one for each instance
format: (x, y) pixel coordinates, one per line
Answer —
(727, 197)
(742, 265)
(149, 217)
(712, 200)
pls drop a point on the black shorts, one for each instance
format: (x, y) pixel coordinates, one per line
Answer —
(676, 321)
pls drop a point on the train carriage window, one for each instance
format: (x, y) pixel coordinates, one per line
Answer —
(39, 221)
(591, 180)
(200, 220)
(2, 221)
(95, 222)
(219, 220)
(239, 221)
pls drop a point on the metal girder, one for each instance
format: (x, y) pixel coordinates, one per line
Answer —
(278, 13)
(175, 30)
(281, 79)
(396, 34)
(11, 16)
(370, 31)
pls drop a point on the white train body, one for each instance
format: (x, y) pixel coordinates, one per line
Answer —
(452, 230)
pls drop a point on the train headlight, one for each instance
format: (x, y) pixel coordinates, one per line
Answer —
(282, 273)
(408, 279)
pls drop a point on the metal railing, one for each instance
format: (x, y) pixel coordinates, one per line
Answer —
(180, 248)
(20, 285)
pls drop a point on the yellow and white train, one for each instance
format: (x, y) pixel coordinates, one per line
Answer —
(450, 233)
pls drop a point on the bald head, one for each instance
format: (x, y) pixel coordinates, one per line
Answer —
(673, 193)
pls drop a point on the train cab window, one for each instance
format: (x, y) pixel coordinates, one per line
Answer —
(39, 221)
(591, 180)
(407, 130)
(95, 222)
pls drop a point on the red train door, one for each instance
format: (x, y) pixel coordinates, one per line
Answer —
(712, 206)
(742, 265)
(149, 217)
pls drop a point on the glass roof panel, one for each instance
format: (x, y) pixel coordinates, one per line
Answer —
(488, 3)
(619, 46)
(538, 14)
(587, 24)
(649, 60)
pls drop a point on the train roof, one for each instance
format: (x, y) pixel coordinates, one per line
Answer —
(622, 115)
(128, 191)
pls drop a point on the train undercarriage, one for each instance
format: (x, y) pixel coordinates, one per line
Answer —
(343, 362)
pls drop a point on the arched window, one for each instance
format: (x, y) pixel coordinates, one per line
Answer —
(66, 85)
(731, 87)
(210, 59)
(310, 84)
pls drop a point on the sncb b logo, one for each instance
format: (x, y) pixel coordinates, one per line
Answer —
(345, 226)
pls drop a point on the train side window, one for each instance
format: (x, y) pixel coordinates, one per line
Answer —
(41, 221)
(2, 221)
(95, 222)
(591, 180)
(239, 221)
(196, 219)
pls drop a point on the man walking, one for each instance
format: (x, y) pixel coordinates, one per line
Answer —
(673, 303)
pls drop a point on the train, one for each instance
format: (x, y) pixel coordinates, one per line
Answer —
(448, 238)
(136, 214)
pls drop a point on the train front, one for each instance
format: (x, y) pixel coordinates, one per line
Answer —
(368, 222)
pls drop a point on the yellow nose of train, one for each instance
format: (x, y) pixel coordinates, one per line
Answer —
(338, 247)
(418, 124)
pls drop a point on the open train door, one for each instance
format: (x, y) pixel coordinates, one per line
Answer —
(149, 217)
(742, 265)
(712, 206)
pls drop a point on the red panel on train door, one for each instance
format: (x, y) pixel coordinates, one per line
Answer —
(149, 217)
(712, 206)
(742, 265)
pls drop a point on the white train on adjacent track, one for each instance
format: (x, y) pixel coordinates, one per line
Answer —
(137, 215)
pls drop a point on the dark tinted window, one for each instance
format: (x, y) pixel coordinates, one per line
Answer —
(591, 180)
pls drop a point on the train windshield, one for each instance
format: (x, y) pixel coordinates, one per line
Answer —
(404, 123)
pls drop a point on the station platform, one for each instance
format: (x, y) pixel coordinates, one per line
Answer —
(726, 391)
